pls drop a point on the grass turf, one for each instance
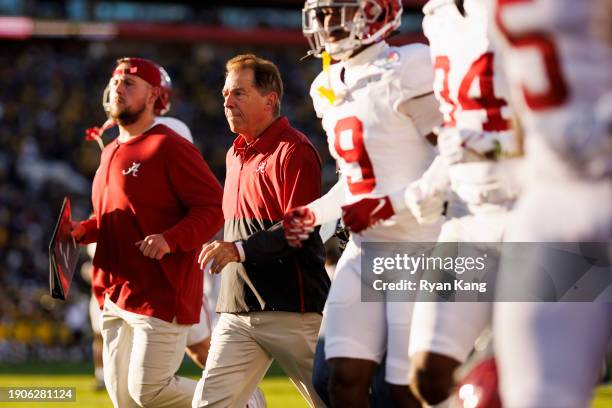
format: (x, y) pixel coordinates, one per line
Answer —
(278, 389)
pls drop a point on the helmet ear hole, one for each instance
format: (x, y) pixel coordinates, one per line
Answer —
(373, 12)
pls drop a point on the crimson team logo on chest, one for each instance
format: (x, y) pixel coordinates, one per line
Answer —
(349, 145)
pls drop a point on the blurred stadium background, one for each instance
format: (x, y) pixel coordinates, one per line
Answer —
(55, 60)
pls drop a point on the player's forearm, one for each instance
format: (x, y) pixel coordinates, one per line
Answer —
(329, 206)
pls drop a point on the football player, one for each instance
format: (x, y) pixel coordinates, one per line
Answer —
(549, 354)
(477, 143)
(377, 108)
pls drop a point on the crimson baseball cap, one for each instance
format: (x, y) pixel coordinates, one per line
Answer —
(143, 68)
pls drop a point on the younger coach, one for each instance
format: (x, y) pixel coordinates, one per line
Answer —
(155, 201)
(272, 295)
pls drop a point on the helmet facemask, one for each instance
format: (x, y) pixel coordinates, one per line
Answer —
(319, 36)
(359, 18)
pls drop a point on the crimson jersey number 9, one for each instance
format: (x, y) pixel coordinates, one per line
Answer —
(557, 90)
(349, 145)
(481, 70)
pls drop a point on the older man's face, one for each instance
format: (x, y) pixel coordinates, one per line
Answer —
(245, 108)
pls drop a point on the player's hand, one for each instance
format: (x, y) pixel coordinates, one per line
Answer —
(427, 207)
(367, 212)
(459, 145)
(298, 223)
(77, 231)
(220, 253)
(153, 246)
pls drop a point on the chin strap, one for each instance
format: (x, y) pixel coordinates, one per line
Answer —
(327, 92)
(311, 53)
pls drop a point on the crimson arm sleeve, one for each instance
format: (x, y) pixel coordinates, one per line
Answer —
(302, 169)
(199, 190)
(301, 185)
(91, 231)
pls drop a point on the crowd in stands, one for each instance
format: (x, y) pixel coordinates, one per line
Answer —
(51, 92)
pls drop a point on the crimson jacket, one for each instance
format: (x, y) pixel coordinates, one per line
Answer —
(154, 183)
(278, 171)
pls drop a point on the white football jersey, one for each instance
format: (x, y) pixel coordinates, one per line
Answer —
(468, 81)
(378, 149)
(557, 69)
(472, 91)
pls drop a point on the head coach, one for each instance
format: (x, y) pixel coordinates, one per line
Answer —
(272, 295)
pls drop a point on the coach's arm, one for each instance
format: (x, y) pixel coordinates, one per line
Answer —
(302, 185)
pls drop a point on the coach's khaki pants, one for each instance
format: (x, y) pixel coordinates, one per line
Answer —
(141, 354)
(242, 349)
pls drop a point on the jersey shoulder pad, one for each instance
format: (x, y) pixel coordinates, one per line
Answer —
(415, 70)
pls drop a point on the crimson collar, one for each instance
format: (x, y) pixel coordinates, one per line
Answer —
(265, 142)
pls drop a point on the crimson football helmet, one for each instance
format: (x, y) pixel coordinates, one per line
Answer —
(479, 389)
(162, 104)
(372, 21)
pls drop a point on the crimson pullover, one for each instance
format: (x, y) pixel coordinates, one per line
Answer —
(280, 170)
(154, 183)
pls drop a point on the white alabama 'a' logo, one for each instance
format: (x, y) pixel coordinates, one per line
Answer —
(133, 170)
(261, 167)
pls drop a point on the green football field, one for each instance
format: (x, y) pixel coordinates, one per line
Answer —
(277, 388)
(279, 391)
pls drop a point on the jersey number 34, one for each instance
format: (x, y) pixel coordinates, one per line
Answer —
(481, 70)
